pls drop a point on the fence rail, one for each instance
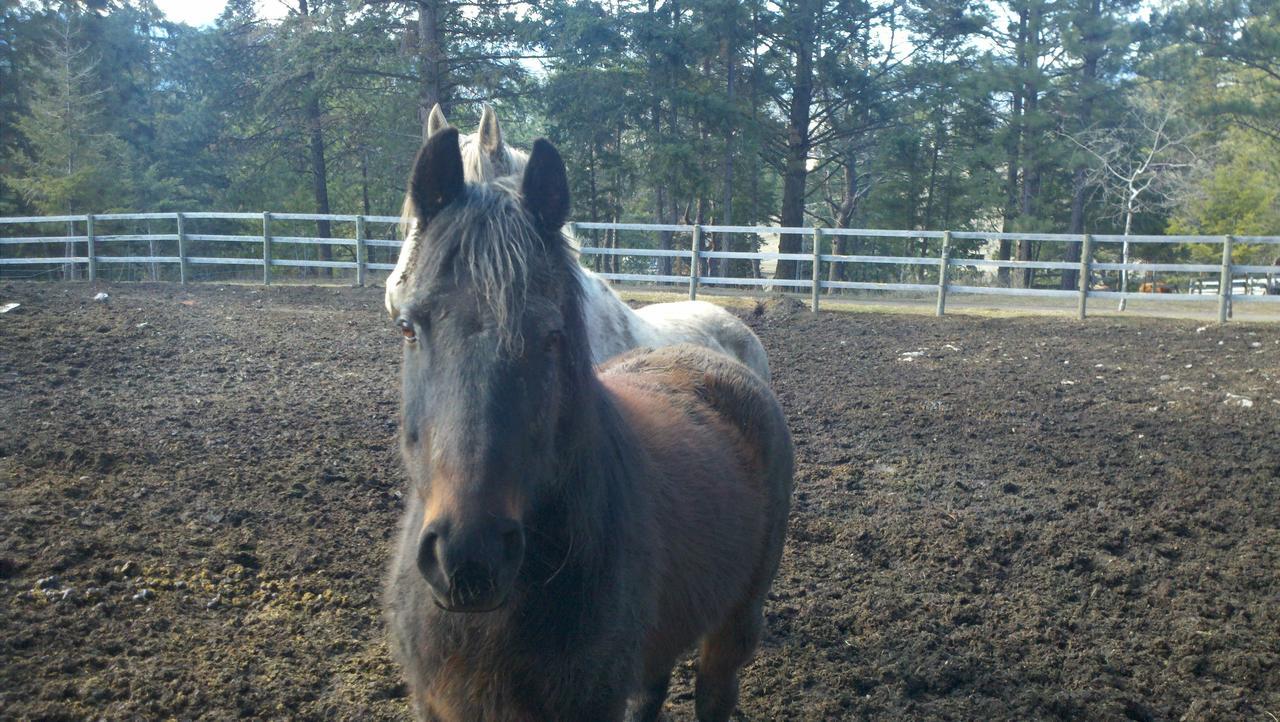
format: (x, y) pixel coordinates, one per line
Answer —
(86, 250)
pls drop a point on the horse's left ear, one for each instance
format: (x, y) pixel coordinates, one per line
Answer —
(545, 187)
(437, 174)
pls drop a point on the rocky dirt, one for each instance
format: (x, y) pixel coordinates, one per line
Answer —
(995, 519)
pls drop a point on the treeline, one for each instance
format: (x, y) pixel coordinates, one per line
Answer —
(1017, 115)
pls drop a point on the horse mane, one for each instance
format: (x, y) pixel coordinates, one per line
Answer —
(503, 167)
(482, 167)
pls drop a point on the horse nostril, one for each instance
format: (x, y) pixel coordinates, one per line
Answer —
(470, 584)
(466, 566)
(428, 560)
(513, 545)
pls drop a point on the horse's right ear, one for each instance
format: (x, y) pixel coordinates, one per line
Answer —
(436, 121)
(437, 178)
(489, 133)
(545, 186)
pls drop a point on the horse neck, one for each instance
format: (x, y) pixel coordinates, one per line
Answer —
(586, 517)
(612, 326)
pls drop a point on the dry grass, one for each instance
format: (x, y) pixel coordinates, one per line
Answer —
(970, 305)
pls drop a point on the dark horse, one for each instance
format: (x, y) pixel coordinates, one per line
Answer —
(570, 531)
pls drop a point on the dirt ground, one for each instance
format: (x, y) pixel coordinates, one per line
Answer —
(994, 519)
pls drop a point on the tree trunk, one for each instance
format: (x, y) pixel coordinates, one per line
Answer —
(1124, 254)
(1093, 50)
(752, 102)
(365, 207)
(593, 195)
(1080, 190)
(1030, 154)
(614, 263)
(796, 174)
(319, 177)
(659, 180)
(1011, 188)
(1013, 146)
(431, 61)
(938, 139)
(315, 147)
(660, 207)
(844, 217)
(719, 265)
(704, 203)
(615, 204)
(929, 206)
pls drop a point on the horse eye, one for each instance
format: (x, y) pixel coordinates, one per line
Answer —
(406, 329)
(554, 339)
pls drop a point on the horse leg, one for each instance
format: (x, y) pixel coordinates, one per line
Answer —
(647, 706)
(723, 652)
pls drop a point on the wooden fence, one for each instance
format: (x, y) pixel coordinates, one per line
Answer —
(87, 250)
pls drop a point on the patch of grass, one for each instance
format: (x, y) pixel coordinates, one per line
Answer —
(969, 305)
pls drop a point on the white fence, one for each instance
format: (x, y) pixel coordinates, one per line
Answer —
(88, 250)
(95, 245)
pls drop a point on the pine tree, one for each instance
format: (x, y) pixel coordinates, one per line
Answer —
(66, 166)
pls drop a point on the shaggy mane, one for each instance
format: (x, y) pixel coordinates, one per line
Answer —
(485, 237)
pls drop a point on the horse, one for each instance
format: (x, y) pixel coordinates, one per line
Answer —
(570, 530)
(612, 326)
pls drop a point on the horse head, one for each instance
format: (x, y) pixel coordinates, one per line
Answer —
(494, 352)
(485, 157)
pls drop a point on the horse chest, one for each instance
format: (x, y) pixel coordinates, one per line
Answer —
(570, 655)
(461, 690)
(491, 686)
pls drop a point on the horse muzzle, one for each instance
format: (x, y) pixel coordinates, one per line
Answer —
(471, 568)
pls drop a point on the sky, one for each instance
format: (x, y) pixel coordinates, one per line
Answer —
(203, 12)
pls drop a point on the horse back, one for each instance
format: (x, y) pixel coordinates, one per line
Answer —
(704, 324)
(719, 466)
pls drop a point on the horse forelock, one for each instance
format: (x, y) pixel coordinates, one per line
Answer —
(486, 240)
(504, 168)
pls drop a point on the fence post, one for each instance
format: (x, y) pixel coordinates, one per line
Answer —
(943, 268)
(182, 248)
(1124, 276)
(266, 248)
(1224, 281)
(1086, 261)
(694, 261)
(91, 250)
(362, 251)
(817, 269)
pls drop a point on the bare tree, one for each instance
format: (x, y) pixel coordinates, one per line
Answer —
(853, 188)
(1139, 163)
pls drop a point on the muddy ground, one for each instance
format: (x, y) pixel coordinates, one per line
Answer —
(995, 519)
